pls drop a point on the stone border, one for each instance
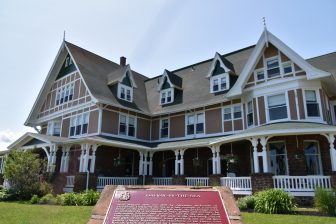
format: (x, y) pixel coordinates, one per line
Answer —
(101, 208)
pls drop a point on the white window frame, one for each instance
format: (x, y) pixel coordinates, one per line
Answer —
(267, 109)
(161, 120)
(319, 156)
(127, 125)
(65, 91)
(269, 156)
(285, 64)
(247, 112)
(120, 86)
(165, 91)
(52, 125)
(79, 120)
(195, 123)
(219, 77)
(256, 75)
(318, 99)
(233, 118)
(266, 68)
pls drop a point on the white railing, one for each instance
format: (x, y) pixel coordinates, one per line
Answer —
(301, 185)
(102, 181)
(238, 185)
(197, 181)
(162, 180)
(70, 181)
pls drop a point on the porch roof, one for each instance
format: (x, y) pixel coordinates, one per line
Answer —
(270, 130)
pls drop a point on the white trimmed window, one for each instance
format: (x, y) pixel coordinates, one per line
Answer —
(277, 107)
(127, 125)
(219, 83)
(54, 128)
(313, 157)
(65, 93)
(278, 158)
(232, 112)
(259, 74)
(312, 104)
(287, 67)
(195, 123)
(164, 128)
(273, 69)
(166, 96)
(250, 113)
(79, 124)
(125, 92)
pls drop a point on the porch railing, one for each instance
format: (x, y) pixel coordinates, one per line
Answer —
(301, 185)
(102, 181)
(238, 185)
(70, 181)
(197, 181)
(162, 180)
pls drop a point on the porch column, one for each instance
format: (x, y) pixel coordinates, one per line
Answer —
(182, 162)
(93, 158)
(263, 142)
(81, 159)
(176, 162)
(331, 139)
(54, 150)
(151, 163)
(254, 142)
(67, 158)
(141, 163)
(218, 159)
(214, 160)
(62, 160)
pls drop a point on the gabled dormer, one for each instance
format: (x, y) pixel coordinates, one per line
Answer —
(168, 86)
(124, 80)
(219, 74)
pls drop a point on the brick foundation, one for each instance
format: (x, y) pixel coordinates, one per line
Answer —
(214, 180)
(80, 182)
(261, 181)
(179, 180)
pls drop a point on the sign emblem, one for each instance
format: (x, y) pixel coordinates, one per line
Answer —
(125, 196)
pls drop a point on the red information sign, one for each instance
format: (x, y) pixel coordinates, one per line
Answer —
(166, 206)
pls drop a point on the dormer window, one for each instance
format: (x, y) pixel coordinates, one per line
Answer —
(219, 83)
(167, 96)
(125, 92)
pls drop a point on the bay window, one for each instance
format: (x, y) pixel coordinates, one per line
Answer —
(277, 107)
(232, 112)
(127, 125)
(312, 105)
(312, 157)
(164, 129)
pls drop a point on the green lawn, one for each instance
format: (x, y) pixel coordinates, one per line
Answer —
(18, 213)
(257, 218)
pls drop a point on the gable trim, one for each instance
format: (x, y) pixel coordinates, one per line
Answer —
(130, 76)
(165, 75)
(265, 38)
(213, 65)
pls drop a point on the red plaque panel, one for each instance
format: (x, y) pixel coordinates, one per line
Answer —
(166, 206)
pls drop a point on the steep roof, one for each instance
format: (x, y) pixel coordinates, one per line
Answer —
(97, 71)
(326, 62)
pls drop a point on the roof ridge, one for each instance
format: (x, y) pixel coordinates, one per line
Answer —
(333, 52)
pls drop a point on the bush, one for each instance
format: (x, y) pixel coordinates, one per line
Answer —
(325, 201)
(79, 199)
(45, 188)
(274, 201)
(247, 202)
(22, 172)
(7, 195)
(35, 199)
(47, 199)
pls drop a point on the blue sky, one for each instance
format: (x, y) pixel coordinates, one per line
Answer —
(152, 34)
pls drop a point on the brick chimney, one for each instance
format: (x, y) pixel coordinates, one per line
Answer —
(122, 61)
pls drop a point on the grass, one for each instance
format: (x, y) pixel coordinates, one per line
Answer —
(21, 213)
(258, 218)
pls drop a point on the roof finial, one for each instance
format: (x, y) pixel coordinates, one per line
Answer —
(64, 36)
(265, 30)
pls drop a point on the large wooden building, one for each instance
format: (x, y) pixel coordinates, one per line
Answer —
(257, 117)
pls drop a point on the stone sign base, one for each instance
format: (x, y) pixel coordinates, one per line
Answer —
(165, 204)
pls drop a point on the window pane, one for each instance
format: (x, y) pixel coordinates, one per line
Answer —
(199, 128)
(312, 157)
(310, 96)
(237, 112)
(313, 110)
(273, 68)
(277, 113)
(164, 123)
(287, 68)
(260, 75)
(278, 158)
(190, 129)
(190, 119)
(84, 129)
(276, 100)
(215, 85)
(274, 63)
(200, 118)
(249, 119)
(223, 83)
(128, 95)
(163, 98)
(227, 113)
(122, 93)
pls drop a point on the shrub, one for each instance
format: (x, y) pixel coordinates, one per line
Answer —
(7, 195)
(35, 199)
(22, 172)
(89, 198)
(47, 199)
(274, 201)
(325, 201)
(247, 202)
(66, 199)
(45, 188)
